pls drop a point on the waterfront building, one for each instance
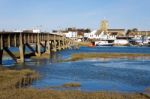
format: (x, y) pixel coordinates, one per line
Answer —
(104, 33)
(70, 34)
(73, 33)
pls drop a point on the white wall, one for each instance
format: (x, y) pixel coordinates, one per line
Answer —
(92, 34)
(71, 34)
(36, 31)
(86, 35)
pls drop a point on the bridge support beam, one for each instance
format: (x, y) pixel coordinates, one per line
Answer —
(63, 42)
(43, 46)
(48, 47)
(22, 53)
(38, 47)
(1, 56)
(38, 50)
(55, 46)
(59, 44)
(30, 47)
(21, 49)
(11, 54)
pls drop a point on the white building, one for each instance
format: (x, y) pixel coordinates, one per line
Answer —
(100, 36)
(32, 31)
(17, 31)
(36, 31)
(72, 35)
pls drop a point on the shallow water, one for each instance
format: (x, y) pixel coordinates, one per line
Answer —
(125, 75)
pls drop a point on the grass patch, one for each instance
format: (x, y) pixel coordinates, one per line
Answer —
(83, 43)
(81, 56)
(43, 56)
(66, 85)
(73, 84)
(10, 79)
(30, 93)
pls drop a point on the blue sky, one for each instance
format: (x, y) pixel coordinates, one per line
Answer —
(59, 14)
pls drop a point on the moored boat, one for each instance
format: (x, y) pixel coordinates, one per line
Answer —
(103, 43)
(121, 41)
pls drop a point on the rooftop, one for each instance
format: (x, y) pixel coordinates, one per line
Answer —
(116, 29)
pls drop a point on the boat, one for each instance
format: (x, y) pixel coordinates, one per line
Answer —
(122, 41)
(103, 43)
(142, 41)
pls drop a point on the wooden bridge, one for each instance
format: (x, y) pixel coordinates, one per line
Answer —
(49, 42)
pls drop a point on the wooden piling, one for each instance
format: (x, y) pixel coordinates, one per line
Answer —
(48, 44)
(54, 44)
(38, 47)
(48, 47)
(1, 56)
(21, 49)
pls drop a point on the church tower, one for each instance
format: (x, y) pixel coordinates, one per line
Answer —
(104, 26)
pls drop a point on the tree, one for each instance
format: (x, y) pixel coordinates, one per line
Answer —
(128, 32)
(87, 30)
(134, 30)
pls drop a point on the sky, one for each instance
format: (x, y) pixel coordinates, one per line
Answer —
(60, 14)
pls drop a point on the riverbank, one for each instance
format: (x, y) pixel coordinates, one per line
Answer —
(30, 93)
(13, 84)
(81, 56)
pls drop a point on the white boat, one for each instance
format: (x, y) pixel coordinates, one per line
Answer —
(121, 41)
(103, 43)
(142, 41)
